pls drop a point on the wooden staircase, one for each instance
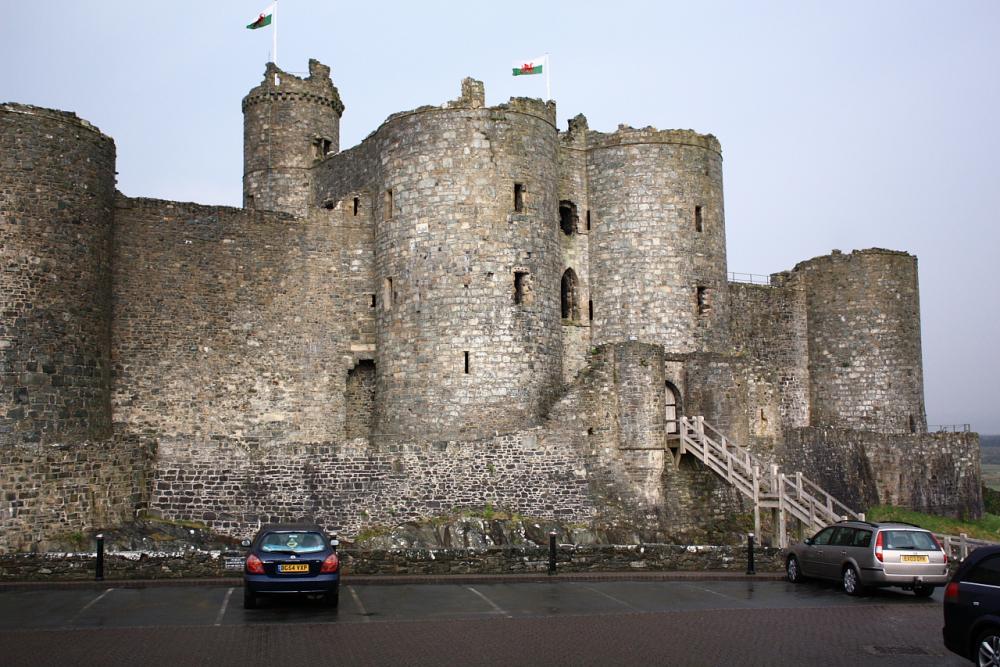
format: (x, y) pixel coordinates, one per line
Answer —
(786, 496)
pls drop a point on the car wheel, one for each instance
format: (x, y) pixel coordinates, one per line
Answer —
(987, 651)
(332, 599)
(852, 582)
(249, 600)
(923, 591)
(793, 571)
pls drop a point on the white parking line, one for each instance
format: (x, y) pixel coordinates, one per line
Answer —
(357, 601)
(225, 603)
(490, 602)
(611, 597)
(89, 605)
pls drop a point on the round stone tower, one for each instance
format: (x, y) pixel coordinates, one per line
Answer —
(467, 259)
(289, 124)
(865, 363)
(57, 189)
(658, 239)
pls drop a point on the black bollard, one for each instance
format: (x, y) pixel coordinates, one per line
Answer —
(552, 552)
(750, 569)
(99, 569)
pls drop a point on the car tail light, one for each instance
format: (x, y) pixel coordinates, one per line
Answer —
(951, 592)
(878, 547)
(941, 548)
(330, 564)
(254, 565)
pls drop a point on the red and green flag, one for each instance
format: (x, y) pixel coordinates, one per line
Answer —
(534, 66)
(264, 19)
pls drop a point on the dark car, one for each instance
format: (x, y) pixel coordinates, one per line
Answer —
(291, 558)
(972, 608)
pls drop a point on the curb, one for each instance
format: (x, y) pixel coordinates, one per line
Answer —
(408, 580)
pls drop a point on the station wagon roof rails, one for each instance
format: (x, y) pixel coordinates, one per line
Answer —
(904, 523)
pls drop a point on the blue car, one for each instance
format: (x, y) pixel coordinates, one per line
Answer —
(291, 558)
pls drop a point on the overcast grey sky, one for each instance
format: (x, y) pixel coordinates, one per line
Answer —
(847, 124)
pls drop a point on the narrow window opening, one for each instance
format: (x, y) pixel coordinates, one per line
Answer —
(590, 310)
(913, 424)
(388, 205)
(387, 294)
(328, 204)
(519, 197)
(698, 223)
(357, 203)
(588, 219)
(702, 298)
(322, 147)
(520, 287)
(249, 201)
(567, 217)
(466, 362)
(372, 301)
(569, 297)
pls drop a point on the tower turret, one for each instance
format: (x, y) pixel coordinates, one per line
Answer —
(57, 189)
(658, 239)
(289, 124)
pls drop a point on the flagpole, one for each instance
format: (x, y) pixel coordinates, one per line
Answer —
(548, 87)
(274, 35)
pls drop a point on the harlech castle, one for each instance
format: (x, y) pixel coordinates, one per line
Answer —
(470, 309)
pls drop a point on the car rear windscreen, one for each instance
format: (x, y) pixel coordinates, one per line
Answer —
(292, 542)
(909, 539)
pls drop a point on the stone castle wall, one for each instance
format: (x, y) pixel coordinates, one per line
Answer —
(768, 330)
(937, 473)
(467, 286)
(57, 185)
(53, 490)
(572, 469)
(255, 321)
(573, 220)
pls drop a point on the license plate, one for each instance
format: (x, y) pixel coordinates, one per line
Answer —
(298, 567)
(914, 559)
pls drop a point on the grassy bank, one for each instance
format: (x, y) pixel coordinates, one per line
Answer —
(986, 528)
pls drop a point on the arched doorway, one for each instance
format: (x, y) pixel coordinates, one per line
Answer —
(672, 409)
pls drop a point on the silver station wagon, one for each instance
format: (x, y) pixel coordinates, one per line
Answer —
(860, 554)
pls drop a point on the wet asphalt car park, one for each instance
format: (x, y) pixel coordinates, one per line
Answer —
(489, 622)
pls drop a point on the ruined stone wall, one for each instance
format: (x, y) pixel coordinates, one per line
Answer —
(937, 473)
(238, 324)
(648, 259)
(864, 340)
(53, 490)
(289, 125)
(769, 332)
(574, 238)
(57, 180)
(458, 355)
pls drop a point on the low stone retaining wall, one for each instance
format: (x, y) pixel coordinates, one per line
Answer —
(497, 560)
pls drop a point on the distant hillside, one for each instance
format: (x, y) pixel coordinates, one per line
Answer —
(989, 449)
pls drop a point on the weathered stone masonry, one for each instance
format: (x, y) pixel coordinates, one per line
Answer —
(468, 310)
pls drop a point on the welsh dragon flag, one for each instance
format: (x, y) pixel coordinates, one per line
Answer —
(264, 19)
(534, 66)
